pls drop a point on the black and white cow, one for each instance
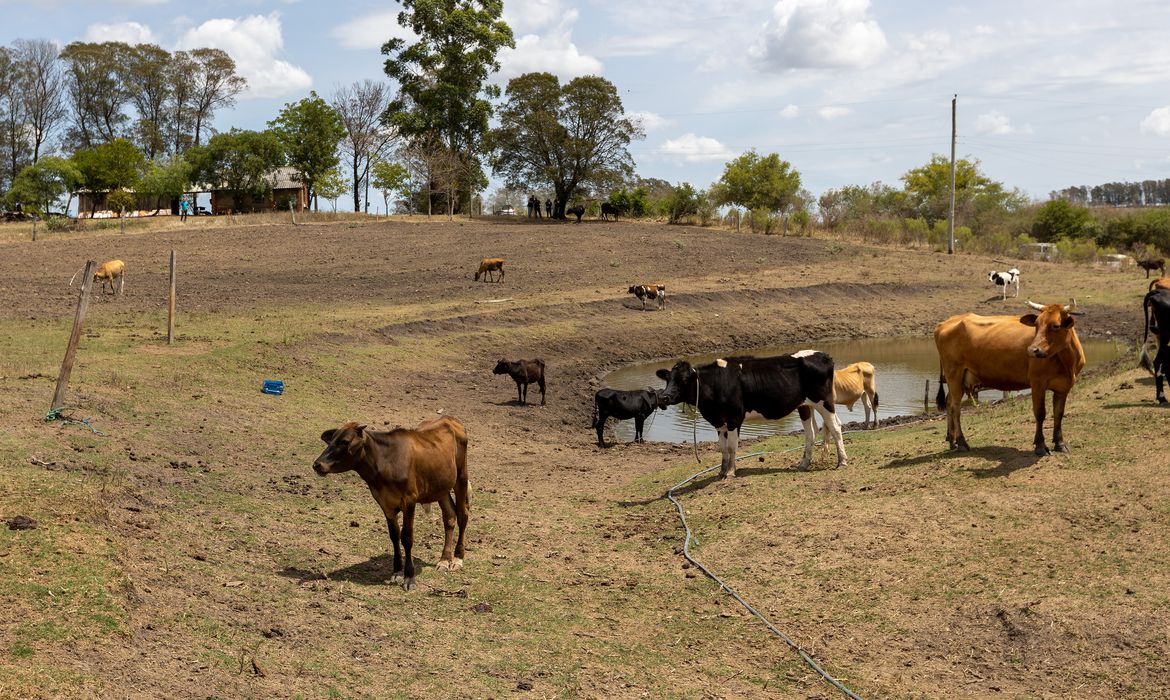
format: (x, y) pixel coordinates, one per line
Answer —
(1003, 279)
(656, 291)
(1156, 309)
(623, 405)
(724, 391)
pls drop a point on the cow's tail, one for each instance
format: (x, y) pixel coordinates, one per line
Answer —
(1144, 360)
(940, 399)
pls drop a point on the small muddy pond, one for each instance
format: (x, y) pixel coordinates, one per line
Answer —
(902, 367)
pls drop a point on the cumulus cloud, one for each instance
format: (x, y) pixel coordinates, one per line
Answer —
(254, 42)
(371, 31)
(994, 122)
(790, 112)
(531, 16)
(650, 121)
(1157, 122)
(129, 32)
(552, 52)
(694, 149)
(820, 34)
(832, 112)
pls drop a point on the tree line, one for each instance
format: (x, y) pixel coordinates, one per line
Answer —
(1147, 193)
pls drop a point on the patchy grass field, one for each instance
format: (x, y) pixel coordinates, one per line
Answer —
(191, 551)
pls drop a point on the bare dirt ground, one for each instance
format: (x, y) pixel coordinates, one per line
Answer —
(232, 571)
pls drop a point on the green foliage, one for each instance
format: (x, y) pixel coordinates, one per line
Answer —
(391, 179)
(332, 185)
(241, 162)
(928, 190)
(766, 184)
(309, 131)
(39, 186)
(167, 179)
(563, 136)
(683, 202)
(109, 166)
(1058, 219)
(121, 201)
(1078, 250)
(442, 76)
(630, 202)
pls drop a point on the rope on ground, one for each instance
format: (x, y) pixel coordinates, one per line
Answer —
(58, 414)
(687, 553)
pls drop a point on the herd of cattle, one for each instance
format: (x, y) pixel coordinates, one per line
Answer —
(1038, 351)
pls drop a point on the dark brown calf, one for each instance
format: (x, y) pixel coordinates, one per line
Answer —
(1152, 264)
(524, 372)
(402, 468)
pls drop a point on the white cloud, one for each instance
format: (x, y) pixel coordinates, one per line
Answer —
(997, 123)
(1157, 122)
(129, 32)
(651, 121)
(820, 34)
(531, 16)
(552, 52)
(643, 44)
(371, 31)
(694, 149)
(832, 112)
(254, 42)
(790, 112)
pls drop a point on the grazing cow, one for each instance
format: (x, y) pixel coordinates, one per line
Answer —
(1151, 264)
(403, 468)
(577, 211)
(1156, 312)
(523, 372)
(650, 291)
(489, 265)
(623, 405)
(609, 209)
(856, 382)
(1038, 351)
(112, 272)
(1003, 279)
(725, 390)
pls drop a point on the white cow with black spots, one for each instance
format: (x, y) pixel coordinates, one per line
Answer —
(1003, 279)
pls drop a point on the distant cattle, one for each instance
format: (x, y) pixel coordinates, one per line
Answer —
(656, 291)
(112, 273)
(725, 390)
(489, 265)
(609, 209)
(403, 468)
(1156, 313)
(1004, 279)
(524, 372)
(1151, 264)
(577, 211)
(623, 405)
(1038, 351)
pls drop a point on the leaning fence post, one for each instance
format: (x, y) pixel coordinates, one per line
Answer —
(171, 304)
(75, 337)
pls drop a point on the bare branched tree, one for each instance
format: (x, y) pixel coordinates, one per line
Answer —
(42, 90)
(361, 106)
(216, 85)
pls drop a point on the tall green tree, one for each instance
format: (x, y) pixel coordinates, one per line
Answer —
(1059, 218)
(166, 181)
(928, 191)
(759, 183)
(147, 75)
(109, 166)
(442, 77)
(310, 131)
(41, 185)
(240, 162)
(97, 89)
(215, 85)
(563, 136)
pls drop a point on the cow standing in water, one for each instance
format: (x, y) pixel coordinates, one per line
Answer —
(724, 391)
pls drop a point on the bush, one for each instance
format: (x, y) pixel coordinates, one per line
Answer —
(683, 203)
(56, 224)
(1078, 251)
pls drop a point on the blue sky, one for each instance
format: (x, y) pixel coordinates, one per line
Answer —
(849, 91)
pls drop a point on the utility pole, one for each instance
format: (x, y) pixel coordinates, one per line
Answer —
(951, 220)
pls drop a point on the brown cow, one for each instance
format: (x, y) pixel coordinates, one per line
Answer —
(488, 266)
(402, 468)
(113, 271)
(655, 290)
(1037, 351)
(1160, 283)
(524, 372)
(1151, 264)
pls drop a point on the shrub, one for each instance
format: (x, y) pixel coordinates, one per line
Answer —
(56, 224)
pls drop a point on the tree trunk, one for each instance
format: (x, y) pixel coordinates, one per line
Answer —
(357, 200)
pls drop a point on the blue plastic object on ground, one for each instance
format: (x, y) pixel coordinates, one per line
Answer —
(273, 386)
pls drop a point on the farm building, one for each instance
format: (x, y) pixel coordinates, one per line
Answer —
(285, 185)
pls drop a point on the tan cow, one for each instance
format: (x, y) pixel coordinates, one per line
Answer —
(850, 385)
(488, 266)
(112, 272)
(1038, 351)
(403, 468)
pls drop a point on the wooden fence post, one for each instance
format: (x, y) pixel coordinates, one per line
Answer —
(71, 349)
(171, 304)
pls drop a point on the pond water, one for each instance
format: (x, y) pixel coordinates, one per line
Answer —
(902, 366)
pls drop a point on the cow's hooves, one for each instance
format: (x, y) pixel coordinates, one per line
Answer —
(443, 564)
(802, 467)
(409, 584)
(1162, 401)
(1061, 447)
(396, 577)
(1041, 451)
(840, 465)
(456, 564)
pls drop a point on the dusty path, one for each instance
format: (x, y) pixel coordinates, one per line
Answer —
(393, 306)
